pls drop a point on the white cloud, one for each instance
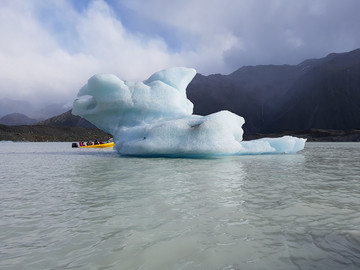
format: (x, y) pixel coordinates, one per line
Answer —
(277, 31)
(32, 64)
(35, 65)
(49, 49)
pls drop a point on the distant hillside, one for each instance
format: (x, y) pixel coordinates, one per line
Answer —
(316, 94)
(9, 106)
(63, 128)
(16, 119)
(326, 97)
(36, 133)
(67, 119)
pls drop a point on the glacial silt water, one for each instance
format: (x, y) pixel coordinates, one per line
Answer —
(64, 208)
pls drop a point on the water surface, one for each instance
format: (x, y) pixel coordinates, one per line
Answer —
(64, 208)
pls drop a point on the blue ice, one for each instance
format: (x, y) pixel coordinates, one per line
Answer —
(155, 118)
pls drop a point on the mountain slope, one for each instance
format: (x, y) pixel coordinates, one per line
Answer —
(327, 97)
(16, 119)
(67, 119)
(36, 133)
(318, 93)
(252, 92)
(9, 106)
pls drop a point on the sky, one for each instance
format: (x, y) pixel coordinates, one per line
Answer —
(49, 49)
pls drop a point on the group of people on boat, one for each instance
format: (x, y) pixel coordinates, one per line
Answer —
(108, 143)
(96, 142)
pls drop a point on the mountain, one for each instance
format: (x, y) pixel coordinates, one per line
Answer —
(67, 119)
(326, 97)
(253, 92)
(17, 119)
(65, 128)
(318, 93)
(37, 133)
(9, 106)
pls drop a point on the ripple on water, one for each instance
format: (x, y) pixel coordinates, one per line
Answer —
(67, 209)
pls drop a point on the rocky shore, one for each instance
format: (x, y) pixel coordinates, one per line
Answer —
(44, 133)
(315, 135)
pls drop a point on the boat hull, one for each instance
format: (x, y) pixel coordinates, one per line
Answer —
(103, 145)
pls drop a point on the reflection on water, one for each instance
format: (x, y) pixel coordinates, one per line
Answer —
(64, 208)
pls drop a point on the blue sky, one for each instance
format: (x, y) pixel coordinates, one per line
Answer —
(50, 48)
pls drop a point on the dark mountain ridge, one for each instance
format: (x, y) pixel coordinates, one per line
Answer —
(317, 96)
(67, 119)
(318, 93)
(16, 119)
(39, 112)
(327, 97)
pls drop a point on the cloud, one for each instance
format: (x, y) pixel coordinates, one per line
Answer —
(36, 63)
(50, 48)
(261, 32)
(33, 65)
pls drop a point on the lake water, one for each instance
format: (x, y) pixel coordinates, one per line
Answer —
(64, 208)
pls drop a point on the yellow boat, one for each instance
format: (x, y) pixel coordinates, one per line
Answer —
(102, 145)
(108, 144)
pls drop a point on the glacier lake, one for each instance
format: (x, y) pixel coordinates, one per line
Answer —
(65, 208)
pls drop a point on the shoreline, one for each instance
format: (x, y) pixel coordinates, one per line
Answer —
(42, 133)
(313, 135)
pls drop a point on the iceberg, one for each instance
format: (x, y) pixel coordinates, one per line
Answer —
(155, 118)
